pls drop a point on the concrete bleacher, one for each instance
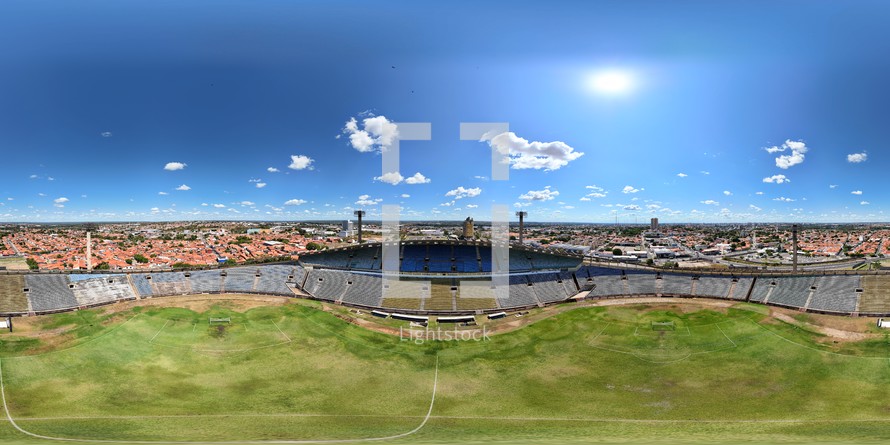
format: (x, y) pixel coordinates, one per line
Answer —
(240, 279)
(205, 281)
(875, 298)
(520, 260)
(547, 287)
(714, 287)
(568, 283)
(169, 283)
(519, 293)
(791, 291)
(142, 285)
(835, 293)
(740, 289)
(12, 296)
(761, 289)
(273, 280)
(364, 290)
(331, 258)
(608, 286)
(546, 261)
(405, 294)
(326, 284)
(49, 292)
(676, 284)
(102, 290)
(641, 283)
(365, 258)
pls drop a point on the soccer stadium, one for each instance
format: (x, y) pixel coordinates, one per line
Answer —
(330, 348)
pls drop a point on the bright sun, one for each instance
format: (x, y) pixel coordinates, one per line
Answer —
(611, 82)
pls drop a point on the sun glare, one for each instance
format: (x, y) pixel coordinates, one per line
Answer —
(611, 82)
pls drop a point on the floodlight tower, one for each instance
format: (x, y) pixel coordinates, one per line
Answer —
(521, 216)
(794, 247)
(359, 214)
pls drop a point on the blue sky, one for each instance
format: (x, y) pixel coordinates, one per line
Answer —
(681, 109)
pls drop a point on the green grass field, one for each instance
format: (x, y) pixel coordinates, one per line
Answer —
(294, 372)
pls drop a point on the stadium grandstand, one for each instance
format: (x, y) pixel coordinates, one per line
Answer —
(443, 277)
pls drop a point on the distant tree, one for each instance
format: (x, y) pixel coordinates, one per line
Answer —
(512, 237)
(32, 264)
(650, 261)
(314, 246)
(139, 258)
(617, 251)
(103, 266)
(128, 261)
(231, 262)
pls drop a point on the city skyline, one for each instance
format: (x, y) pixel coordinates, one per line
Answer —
(687, 113)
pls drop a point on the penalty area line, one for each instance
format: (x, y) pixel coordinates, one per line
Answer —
(423, 423)
(282, 332)
(159, 331)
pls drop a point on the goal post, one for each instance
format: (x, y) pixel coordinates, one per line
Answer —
(219, 320)
(663, 326)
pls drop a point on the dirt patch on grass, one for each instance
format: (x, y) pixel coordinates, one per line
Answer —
(834, 333)
(203, 303)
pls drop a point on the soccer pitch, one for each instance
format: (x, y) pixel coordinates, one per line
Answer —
(295, 373)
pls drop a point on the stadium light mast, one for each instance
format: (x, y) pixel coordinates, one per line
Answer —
(521, 216)
(359, 214)
(794, 248)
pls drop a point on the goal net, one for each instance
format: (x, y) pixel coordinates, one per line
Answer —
(663, 326)
(226, 320)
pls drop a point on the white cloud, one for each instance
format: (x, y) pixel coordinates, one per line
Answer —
(776, 179)
(595, 188)
(727, 193)
(295, 202)
(106, 134)
(300, 162)
(865, 203)
(758, 193)
(523, 154)
(630, 189)
(797, 148)
(585, 199)
(783, 199)
(272, 170)
(260, 185)
(481, 178)
(61, 200)
(832, 186)
(163, 193)
(173, 166)
(377, 133)
(754, 208)
(710, 202)
(417, 179)
(219, 206)
(705, 172)
(472, 206)
(540, 195)
(366, 200)
(204, 204)
(856, 158)
(682, 175)
(462, 192)
(631, 207)
(405, 195)
(33, 176)
(248, 203)
(596, 195)
(183, 188)
(390, 178)
(856, 192)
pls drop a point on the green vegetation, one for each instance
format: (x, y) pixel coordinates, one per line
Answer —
(32, 264)
(614, 374)
(314, 246)
(139, 258)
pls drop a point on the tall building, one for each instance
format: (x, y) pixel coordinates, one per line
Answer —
(653, 224)
(468, 228)
(347, 229)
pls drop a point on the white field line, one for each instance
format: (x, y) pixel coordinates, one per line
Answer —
(282, 332)
(370, 439)
(159, 331)
(727, 337)
(867, 357)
